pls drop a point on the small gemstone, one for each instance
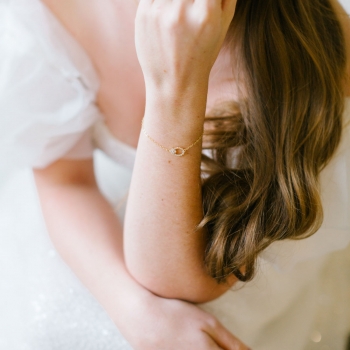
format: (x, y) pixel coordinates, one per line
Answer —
(177, 151)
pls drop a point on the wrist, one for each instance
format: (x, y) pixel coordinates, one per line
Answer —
(125, 299)
(177, 103)
(177, 93)
(174, 115)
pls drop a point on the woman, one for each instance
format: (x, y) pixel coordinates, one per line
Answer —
(288, 79)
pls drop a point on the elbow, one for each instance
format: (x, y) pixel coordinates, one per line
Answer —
(184, 287)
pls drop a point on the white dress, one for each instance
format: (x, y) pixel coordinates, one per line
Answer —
(300, 298)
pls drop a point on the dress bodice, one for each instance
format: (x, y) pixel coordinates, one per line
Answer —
(117, 150)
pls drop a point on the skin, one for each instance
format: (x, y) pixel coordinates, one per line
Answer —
(163, 249)
(93, 247)
(105, 29)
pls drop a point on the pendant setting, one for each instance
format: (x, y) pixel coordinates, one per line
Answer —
(177, 151)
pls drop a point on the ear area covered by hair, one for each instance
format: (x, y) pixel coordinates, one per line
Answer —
(292, 63)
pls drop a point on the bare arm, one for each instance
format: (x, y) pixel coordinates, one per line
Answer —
(88, 235)
(85, 231)
(164, 252)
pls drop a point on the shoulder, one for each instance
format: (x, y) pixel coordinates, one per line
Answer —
(103, 28)
(47, 87)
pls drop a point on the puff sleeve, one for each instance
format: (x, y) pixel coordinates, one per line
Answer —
(47, 89)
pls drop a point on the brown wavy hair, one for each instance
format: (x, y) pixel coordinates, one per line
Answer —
(261, 183)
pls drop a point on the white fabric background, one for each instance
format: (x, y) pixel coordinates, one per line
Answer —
(346, 4)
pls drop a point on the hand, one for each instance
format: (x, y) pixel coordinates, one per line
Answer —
(178, 41)
(154, 323)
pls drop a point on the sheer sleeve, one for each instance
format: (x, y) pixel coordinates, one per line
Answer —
(47, 89)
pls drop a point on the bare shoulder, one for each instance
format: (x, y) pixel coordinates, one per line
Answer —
(98, 25)
(105, 29)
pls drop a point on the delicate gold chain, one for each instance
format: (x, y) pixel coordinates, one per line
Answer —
(176, 151)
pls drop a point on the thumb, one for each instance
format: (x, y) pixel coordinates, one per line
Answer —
(224, 338)
(228, 9)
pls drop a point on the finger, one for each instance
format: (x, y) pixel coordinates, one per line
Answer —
(207, 10)
(142, 2)
(228, 5)
(229, 8)
(228, 341)
(161, 1)
(213, 345)
(208, 5)
(224, 338)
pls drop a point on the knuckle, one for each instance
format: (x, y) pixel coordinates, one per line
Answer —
(170, 24)
(237, 345)
(205, 17)
(212, 322)
(175, 18)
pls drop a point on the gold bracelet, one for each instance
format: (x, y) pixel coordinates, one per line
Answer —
(176, 151)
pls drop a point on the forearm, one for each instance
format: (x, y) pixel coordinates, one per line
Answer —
(88, 236)
(177, 43)
(164, 251)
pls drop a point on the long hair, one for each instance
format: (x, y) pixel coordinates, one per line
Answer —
(269, 146)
